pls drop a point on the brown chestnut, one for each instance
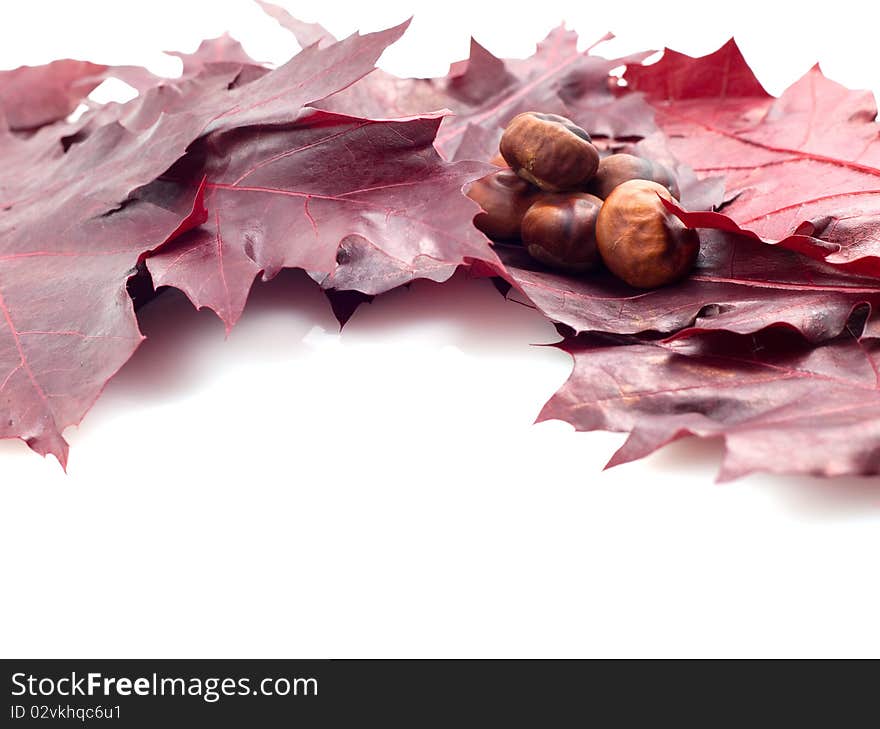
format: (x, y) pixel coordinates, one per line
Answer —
(549, 151)
(640, 241)
(559, 230)
(617, 168)
(498, 161)
(504, 197)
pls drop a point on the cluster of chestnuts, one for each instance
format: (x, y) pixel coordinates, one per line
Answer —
(574, 209)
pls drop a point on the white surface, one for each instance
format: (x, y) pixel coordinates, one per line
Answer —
(294, 492)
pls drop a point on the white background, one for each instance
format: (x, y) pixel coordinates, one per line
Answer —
(297, 492)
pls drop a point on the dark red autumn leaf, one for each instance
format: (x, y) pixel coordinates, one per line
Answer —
(363, 271)
(39, 163)
(66, 320)
(380, 95)
(308, 77)
(484, 92)
(75, 219)
(362, 267)
(779, 405)
(329, 192)
(739, 285)
(222, 88)
(216, 66)
(558, 78)
(383, 95)
(803, 169)
(723, 75)
(69, 240)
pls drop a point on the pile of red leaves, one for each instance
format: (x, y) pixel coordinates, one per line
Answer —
(234, 170)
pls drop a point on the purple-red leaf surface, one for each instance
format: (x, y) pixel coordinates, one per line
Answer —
(803, 169)
(318, 194)
(486, 92)
(780, 406)
(739, 285)
(66, 321)
(79, 209)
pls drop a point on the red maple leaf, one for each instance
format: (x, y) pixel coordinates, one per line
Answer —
(739, 285)
(318, 194)
(780, 405)
(802, 170)
(484, 92)
(79, 210)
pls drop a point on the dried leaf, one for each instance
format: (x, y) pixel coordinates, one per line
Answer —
(66, 321)
(486, 92)
(779, 405)
(739, 285)
(79, 210)
(319, 194)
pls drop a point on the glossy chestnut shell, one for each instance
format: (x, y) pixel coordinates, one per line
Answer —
(559, 230)
(640, 241)
(617, 168)
(549, 151)
(504, 197)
